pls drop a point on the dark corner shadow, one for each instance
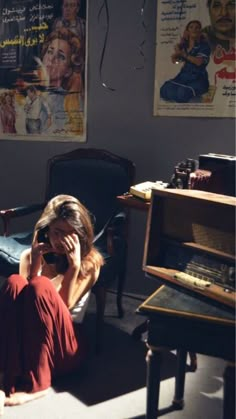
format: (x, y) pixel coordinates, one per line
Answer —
(168, 409)
(118, 370)
(161, 412)
(210, 404)
(138, 417)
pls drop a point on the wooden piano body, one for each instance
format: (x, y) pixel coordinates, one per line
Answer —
(192, 232)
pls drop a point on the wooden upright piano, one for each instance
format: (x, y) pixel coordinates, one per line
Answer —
(190, 248)
(190, 242)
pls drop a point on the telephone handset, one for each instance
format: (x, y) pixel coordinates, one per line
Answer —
(42, 237)
(52, 258)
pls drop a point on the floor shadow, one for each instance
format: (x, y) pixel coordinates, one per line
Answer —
(114, 371)
(138, 417)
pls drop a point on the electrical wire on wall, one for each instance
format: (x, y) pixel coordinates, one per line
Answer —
(145, 28)
(141, 45)
(104, 7)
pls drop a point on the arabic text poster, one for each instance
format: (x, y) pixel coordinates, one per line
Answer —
(43, 70)
(195, 58)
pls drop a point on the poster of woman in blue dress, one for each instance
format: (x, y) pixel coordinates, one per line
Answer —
(195, 62)
(193, 52)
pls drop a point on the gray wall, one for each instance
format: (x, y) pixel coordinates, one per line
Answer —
(120, 121)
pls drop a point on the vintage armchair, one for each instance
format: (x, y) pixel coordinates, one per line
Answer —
(95, 177)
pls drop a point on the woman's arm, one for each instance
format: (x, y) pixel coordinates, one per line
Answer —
(69, 283)
(25, 263)
(182, 53)
(75, 286)
(194, 60)
(31, 259)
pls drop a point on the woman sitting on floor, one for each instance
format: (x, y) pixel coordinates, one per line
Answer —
(38, 339)
(194, 53)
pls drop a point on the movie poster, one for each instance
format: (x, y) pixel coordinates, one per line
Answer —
(195, 58)
(43, 70)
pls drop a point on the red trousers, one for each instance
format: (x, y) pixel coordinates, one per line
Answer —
(37, 336)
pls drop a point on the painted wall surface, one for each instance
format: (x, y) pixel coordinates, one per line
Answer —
(121, 121)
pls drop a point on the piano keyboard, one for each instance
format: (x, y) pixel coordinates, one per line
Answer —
(191, 280)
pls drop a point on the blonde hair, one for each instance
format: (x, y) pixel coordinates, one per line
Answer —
(77, 52)
(70, 209)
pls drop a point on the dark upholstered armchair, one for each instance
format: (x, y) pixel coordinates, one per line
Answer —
(95, 177)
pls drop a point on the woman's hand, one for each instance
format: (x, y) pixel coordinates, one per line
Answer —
(174, 58)
(178, 49)
(69, 284)
(37, 251)
(72, 248)
(178, 54)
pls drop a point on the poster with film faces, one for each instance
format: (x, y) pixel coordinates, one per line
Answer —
(195, 58)
(43, 70)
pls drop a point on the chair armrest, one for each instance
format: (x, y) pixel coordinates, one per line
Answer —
(116, 228)
(113, 228)
(7, 214)
(118, 219)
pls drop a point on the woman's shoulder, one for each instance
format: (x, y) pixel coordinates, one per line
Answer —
(92, 263)
(204, 45)
(96, 257)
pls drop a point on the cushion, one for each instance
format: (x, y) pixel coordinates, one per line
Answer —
(11, 248)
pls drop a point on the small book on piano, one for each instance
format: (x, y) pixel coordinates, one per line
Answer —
(144, 190)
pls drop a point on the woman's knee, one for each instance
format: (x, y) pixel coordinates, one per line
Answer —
(184, 95)
(16, 279)
(167, 91)
(16, 283)
(164, 91)
(41, 286)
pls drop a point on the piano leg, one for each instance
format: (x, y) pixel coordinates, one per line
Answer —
(153, 359)
(229, 391)
(193, 361)
(178, 401)
(142, 328)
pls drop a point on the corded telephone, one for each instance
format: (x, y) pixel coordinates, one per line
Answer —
(42, 237)
(52, 258)
(144, 190)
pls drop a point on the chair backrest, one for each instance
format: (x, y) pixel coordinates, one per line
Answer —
(94, 176)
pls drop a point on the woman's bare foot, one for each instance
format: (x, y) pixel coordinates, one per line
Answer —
(2, 402)
(22, 397)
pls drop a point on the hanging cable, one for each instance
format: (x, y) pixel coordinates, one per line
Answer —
(104, 6)
(142, 14)
(141, 45)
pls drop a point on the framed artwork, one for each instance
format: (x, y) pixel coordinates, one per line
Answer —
(43, 60)
(195, 59)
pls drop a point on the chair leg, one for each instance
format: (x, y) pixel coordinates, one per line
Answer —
(193, 361)
(100, 295)
(120, 287)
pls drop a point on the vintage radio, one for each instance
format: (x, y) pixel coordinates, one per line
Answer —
(190, 242)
